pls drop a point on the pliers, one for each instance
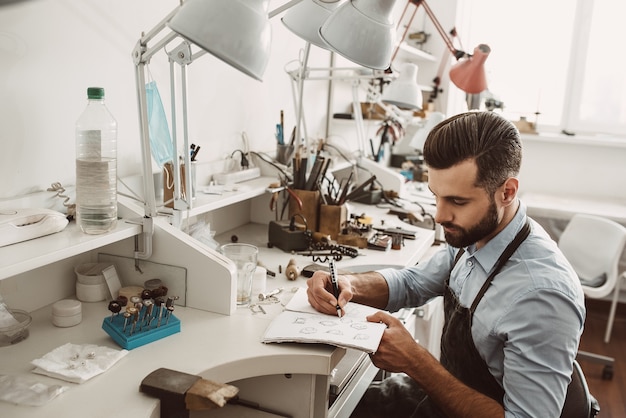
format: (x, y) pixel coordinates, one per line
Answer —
(275, 193)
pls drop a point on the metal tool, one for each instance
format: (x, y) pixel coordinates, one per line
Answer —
(115, 308)
(147, 314)
(272, 293)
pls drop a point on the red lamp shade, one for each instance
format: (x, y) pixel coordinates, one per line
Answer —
(469, 73)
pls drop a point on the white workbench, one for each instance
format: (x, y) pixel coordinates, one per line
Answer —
(292, 378)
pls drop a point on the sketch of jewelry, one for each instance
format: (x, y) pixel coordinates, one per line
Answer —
(346, 320)
(334, 331)
(328, 323)
(300, 320)
(308, 330)
(359, 325)
(361, 337)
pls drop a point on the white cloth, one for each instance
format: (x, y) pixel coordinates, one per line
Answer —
(77, 363)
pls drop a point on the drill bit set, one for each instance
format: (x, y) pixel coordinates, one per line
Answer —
(141, 320)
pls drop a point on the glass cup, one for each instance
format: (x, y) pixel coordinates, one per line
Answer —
(245, 258)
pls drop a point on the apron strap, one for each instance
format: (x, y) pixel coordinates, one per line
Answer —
(504, 257)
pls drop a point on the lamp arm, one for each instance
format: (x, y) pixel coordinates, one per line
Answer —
(300, 82)
(306, 75)
(458, 54)
(282, 8)
(148, 182)
(142, 53)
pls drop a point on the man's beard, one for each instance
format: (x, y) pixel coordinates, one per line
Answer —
(460, 237)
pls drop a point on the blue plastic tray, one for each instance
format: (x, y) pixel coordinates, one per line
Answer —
(114, 326)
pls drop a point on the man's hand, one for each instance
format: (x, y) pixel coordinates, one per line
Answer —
(397, 351)
(320, 292)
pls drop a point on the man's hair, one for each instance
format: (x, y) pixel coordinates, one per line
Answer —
(486, 137)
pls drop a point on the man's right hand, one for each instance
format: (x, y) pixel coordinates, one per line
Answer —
(320, 292)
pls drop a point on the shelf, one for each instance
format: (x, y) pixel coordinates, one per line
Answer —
(204, 203)
(417, 53)
(28, 255)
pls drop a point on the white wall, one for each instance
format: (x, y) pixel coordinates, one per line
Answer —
(592, 167)
(52, 50)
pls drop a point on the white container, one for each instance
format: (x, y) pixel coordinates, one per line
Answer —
(91, 292)
(67, 313)
(96, 166)
(90, 283)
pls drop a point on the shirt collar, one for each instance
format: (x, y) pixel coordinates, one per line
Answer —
(488, 255)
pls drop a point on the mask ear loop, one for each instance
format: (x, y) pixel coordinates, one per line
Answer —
(150, 79)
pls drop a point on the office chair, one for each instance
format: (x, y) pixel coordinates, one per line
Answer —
(594, 245)
(579, 403)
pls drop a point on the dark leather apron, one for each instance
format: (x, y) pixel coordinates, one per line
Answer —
(400, 396)
(458, 352)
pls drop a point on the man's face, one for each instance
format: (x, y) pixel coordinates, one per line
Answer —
(467, 213)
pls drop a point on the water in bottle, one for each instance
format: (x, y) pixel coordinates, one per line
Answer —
(96, 166)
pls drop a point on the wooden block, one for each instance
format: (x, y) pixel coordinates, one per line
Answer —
(352, 240)
(332, 219)
(206, 394)
(310, 208)
(182, 392)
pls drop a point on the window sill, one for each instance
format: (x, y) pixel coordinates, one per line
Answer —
(600, 140)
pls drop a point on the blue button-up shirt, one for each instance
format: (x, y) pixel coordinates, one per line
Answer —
(528, 324)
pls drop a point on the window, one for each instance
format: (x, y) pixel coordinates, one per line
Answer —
(554, 62)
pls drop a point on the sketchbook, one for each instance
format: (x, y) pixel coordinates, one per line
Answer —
(301, 323)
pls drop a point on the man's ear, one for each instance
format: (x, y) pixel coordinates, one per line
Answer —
(509, 190)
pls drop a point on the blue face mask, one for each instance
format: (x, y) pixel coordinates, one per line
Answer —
(160, 139)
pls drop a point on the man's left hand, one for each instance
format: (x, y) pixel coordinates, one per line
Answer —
(397, 350)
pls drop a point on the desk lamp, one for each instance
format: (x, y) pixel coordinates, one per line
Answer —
(468, 74)
(404, 92)
(235, 31)
(305, 20)
(362, 31)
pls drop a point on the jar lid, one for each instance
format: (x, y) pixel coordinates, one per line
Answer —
(152, 284)
(66, 307)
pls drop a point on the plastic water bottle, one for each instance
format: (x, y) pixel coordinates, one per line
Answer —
(96, 166)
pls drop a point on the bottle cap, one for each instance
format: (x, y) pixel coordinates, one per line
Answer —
(95, 93)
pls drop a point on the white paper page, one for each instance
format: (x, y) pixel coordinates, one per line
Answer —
(302, 323)
(300, 303)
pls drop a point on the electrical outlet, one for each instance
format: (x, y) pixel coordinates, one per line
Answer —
(237, 176)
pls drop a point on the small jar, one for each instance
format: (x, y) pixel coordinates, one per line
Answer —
(67, 313)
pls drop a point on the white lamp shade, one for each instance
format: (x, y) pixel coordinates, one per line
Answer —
(236, 31)
(306, 18)
(404, 91)
(363, 32)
